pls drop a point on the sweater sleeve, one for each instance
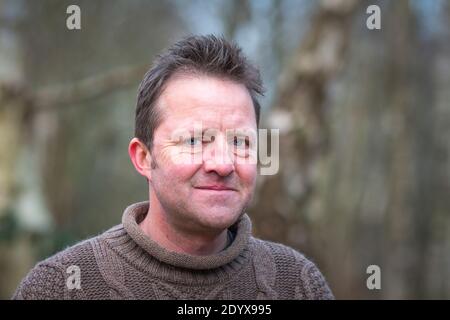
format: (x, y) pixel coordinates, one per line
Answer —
(44, 282)
(296, 276)
(312, 284)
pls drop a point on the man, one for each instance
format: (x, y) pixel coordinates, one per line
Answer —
(197, 112)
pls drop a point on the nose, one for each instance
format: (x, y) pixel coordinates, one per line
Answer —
(217, 157)
(222, 169)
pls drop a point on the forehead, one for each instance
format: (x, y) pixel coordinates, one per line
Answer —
(215, 102)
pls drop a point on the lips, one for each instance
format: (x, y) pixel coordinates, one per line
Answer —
(216, 188)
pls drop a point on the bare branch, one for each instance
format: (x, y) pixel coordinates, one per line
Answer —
(89, 88)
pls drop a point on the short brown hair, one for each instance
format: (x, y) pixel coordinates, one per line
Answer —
(207, 55)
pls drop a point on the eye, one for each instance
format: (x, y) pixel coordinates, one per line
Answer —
(240, 142)
(193, 141)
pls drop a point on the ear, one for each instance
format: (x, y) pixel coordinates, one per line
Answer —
(140, 156)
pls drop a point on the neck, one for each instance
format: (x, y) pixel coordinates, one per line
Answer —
(157, 227)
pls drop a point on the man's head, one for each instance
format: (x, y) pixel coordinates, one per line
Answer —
(200, 81)
(195, 55)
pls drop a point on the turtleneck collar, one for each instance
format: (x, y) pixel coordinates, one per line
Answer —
(134, 214)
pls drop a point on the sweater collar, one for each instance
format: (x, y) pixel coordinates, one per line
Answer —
(242, 230)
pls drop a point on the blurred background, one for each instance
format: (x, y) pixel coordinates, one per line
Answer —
(364, 119)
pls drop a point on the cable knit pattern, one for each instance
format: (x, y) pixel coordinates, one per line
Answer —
(123, 263)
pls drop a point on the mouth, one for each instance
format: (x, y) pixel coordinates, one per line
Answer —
(216, 188)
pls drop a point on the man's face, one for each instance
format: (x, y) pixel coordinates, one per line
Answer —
(200, 175)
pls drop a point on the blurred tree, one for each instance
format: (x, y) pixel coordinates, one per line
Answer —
(299, 113)
(364, 166)
(52, 79)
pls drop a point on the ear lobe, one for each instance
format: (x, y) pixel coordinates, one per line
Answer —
(140, 157)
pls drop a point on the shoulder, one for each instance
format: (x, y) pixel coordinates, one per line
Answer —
(49, 278)
(297, 277)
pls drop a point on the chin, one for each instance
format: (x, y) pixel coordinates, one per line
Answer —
(218, 218)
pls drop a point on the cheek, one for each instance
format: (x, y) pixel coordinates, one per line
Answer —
(185, 172)
(175, 175)
(247, 174)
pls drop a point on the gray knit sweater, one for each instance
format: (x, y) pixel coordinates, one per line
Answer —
(123, 263)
